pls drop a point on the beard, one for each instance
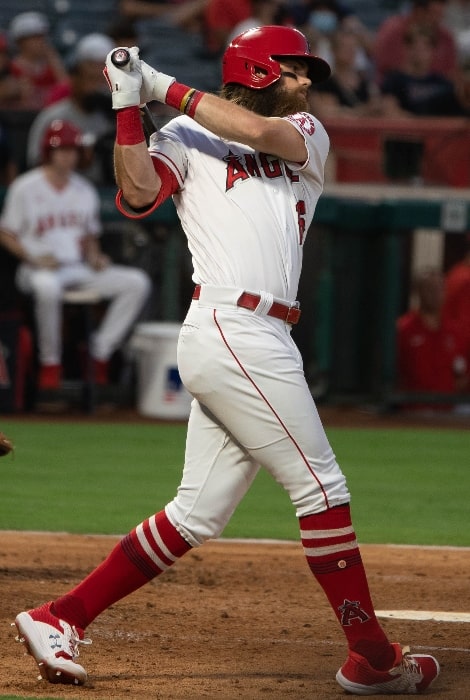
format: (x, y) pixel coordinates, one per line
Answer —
(290, 103)
(273, 101)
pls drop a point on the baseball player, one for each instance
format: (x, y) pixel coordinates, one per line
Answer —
(245, 170)
(50, 221)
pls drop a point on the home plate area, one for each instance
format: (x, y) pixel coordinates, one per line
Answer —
(436, 615)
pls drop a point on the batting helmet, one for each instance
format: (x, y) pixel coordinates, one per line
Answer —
(252, 58)
(60, 134)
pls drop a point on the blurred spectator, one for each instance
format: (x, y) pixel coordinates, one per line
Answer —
(457, 295)
(416, 89)
(186, 14)
(50, 222)
(220, 17)
(389, 44)
(9, 90)
(320, 19)
(348, 92)
(87, 105)
(431, 348)
(36, 66)
(264, 12)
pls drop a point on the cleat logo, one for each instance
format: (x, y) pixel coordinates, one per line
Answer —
(351, 610)
(54, 641)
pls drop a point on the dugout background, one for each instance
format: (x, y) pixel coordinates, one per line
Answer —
(358, 260)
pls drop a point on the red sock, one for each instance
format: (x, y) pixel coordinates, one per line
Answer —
(142, 555)
(333, 555)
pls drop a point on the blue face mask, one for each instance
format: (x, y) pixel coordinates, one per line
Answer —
(323, 21)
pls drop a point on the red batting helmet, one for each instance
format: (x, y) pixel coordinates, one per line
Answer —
(252, 58)
(60, 134)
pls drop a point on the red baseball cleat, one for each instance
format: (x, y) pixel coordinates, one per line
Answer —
(53, 644)
(410, 674)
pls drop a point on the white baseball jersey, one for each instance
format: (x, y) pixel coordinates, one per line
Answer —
(51, 221)
(233, 202)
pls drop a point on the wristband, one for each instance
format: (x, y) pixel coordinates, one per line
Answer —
(129, 130)
(183, 98)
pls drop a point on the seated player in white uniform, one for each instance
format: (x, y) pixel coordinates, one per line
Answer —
(50, 221)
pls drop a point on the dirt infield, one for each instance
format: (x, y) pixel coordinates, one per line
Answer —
(229, 620)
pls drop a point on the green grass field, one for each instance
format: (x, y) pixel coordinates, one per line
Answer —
(408, 485)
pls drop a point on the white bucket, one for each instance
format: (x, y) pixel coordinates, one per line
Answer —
(161, 393)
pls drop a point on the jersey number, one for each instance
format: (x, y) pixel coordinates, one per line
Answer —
(300, 208)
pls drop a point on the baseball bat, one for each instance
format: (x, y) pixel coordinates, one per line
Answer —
(120, 58)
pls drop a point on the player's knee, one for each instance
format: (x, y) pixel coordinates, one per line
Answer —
(140, 283)
(193, 529)
(46, 286)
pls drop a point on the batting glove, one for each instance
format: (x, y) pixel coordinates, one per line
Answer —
(154, 84)
(125, 83)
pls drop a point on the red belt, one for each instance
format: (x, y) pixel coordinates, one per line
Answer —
(288, 314)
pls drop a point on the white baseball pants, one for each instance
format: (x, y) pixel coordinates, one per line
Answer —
(252, 407)
(127, 289)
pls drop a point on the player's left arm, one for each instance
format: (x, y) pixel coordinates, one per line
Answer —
(135, 174)
(271, 135)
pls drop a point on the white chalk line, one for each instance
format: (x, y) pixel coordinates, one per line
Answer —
(248, 540)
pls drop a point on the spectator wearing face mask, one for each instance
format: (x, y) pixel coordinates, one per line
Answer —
(321, 19)
(87, 105)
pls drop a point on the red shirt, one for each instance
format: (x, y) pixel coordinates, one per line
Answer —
(457, 297)
(426, 357)
(42, 80)
(220, 17)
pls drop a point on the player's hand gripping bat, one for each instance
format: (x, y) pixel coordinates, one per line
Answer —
(121, 58)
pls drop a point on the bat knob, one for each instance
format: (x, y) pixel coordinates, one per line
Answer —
(120, 57)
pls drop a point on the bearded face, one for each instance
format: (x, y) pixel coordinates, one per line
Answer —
(274, 101)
